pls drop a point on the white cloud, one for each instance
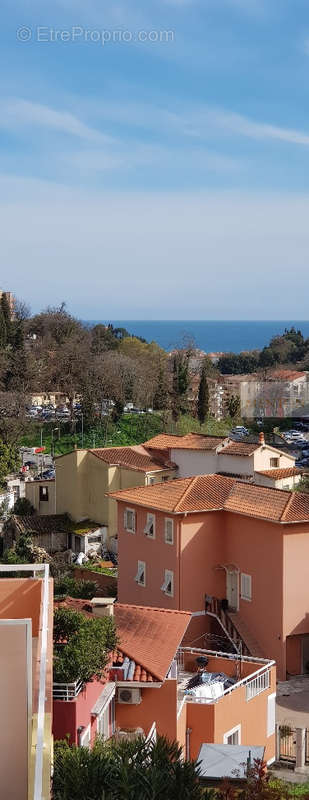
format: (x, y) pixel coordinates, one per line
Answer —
(236, 123)
(19, 113)
(174, 255)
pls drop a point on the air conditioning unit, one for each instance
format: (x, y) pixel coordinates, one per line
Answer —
(129, 696)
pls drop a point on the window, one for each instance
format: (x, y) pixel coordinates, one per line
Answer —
(97, 538)
(246, 587)
(129, 520)
(165, 478)
(150, 527)
(271, 714)
(169, 531)
(233, 736)
(151, 481)
(43, 493)
(286, 486)
(168, 584)
(140, 576)
(274, 462)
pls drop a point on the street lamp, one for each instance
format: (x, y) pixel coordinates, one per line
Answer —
(52, 440)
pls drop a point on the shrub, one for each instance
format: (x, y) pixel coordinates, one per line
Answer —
(65, 585)
(82, 645)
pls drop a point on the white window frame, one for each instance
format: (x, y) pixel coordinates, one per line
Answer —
(232, 732)
(168, 521)
(141, 570)
(125, 522)
(85, 734)
(271, 714)
(150, 522)
(168, 579)
(244, 593)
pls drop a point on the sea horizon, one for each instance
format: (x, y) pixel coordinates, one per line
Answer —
(208, 335)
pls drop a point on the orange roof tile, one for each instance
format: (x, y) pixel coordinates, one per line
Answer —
(136, 458)
(216, 492)
(200, 493)
(276, 474)
(150, 636)
(191, 441)
(257, 501)
(239, 449)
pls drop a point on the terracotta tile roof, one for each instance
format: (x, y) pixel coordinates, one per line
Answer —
(191, 441)
(150, 637)
(239, 449)
(200, 493)
(136, 458)
(286, 374)
(276, 474)
(47, 523)
(297, 508)
(216, 492)
(257, 501)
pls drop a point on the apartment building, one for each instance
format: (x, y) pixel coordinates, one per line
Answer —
(197, 454)
(84, 476)
(26, 657)
(147, 691)
(195, 540)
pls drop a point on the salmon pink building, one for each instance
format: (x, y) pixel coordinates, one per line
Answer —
(234, 554)
(26, 658)
(153, 686)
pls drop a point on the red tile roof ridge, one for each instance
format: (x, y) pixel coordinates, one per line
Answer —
(186, 492)
(152, 608)
(288, 505)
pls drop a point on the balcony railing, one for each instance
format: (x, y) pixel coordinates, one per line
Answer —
(67, 691)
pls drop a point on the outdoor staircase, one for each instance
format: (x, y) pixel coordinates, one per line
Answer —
(245, 635)
(235, 629)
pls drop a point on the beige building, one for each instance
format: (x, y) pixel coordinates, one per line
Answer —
(83, 477)
(42, 495)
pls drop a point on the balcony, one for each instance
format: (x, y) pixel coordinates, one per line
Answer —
(253, 675)
(67, 691)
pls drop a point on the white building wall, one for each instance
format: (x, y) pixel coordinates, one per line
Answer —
(235, 465)
(195, 462)
(262, 459)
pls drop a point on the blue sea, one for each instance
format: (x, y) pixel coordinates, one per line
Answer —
(211, 336)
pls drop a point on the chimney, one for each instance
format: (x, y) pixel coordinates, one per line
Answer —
(262, 438)
(103, 606)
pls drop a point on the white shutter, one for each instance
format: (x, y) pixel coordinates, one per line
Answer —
(271, 714)
(169, 531)
(125, 519)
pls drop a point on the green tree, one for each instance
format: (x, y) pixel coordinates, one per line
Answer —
(23, 507)
(303, 485)
(203, 396)
(3, 332)
(75, 588)
(88, 643)
(6, 312)
(233, 406)
(125, 770)
(9, 460)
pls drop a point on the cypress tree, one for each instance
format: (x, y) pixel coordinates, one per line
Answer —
(203, 396)
(2, 330)
(6, 311)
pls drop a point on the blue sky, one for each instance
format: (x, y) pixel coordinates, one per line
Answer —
(163, 178)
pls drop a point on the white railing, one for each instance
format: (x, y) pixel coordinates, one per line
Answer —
(152, 735)
(254, 684)
(67, 691)
(35, 569)
(258, 685)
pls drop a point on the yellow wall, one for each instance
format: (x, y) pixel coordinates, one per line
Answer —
(32, 492)
(82, 480)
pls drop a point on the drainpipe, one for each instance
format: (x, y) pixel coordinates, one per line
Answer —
(188, 733)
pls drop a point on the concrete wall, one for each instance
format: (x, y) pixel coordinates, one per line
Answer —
(263, 456)
(32, 493)
(235, 465)
(70, 469)
(194, 462)
(158, 705)
(107, 583)
(283, 483)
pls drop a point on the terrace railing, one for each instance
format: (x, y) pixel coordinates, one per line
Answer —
(67, 691)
